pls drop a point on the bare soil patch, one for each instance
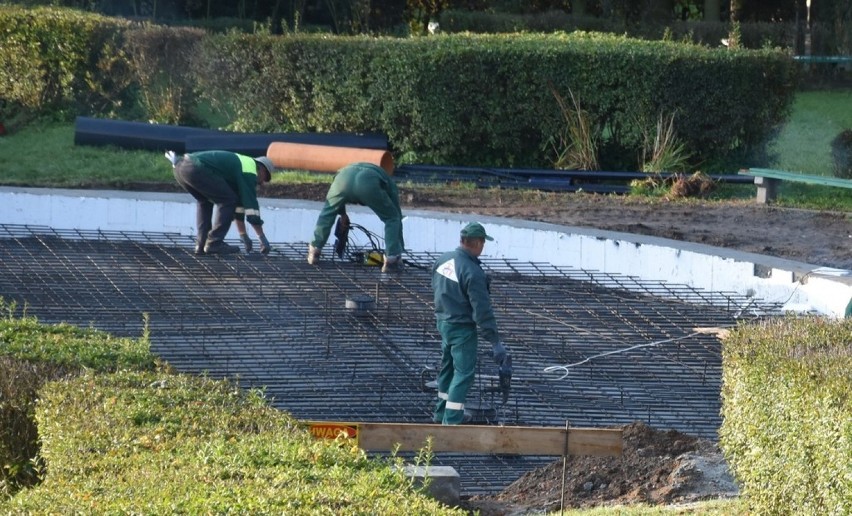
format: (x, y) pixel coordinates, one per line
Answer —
(656, 468)
(809, 236)
(815, 237)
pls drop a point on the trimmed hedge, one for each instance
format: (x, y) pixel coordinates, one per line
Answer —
(153, 443)
(486, 100)
(62, 60)
(476, 100)
(32, 354)
(118, 436)
(787, 414)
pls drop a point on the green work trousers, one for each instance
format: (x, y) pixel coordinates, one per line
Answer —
(458, 367)
(367, 185)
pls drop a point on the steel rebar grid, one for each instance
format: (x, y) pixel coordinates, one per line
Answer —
(276, 322)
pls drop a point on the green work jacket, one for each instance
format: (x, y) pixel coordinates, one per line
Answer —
(461, 293)
(240, 172)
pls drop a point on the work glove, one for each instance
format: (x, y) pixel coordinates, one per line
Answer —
(254, 220)
(246, 242)
(172, 157)
(498, 351)
(264, 245)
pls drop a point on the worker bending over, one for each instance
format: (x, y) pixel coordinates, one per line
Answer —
(462, 304)
(229, 181)
(366, 184)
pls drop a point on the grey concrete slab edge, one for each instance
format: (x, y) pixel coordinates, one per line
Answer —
(795, 286)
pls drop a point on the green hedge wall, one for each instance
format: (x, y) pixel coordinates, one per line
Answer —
(486, 100)
(461, 99)
(62, 60)
(157, 443)
(787, 415)
(94, 424)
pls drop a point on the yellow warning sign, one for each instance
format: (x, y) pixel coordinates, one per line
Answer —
(333, 430)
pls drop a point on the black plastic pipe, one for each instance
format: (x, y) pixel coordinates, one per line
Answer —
(134, 135)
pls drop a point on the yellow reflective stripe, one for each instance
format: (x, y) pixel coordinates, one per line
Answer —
(249, 164)
(452, 405)
(443, 396)
(252, 212)
(240, 209)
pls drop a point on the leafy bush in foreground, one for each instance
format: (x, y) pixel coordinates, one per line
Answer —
(156, 443)
(32, 354)
(787, 408)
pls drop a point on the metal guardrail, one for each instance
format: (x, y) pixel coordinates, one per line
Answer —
(823, 59)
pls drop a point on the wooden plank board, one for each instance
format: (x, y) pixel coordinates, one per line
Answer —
(793, 176)
(511, 440)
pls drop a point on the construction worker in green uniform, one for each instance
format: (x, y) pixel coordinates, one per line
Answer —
(462, 305)
(366, 184)
(229, 181)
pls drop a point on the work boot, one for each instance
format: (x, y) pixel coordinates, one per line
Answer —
(392, 264)
(313, 255)
(199, 247)
(220, 247)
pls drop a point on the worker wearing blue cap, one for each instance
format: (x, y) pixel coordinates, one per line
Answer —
(464, 313)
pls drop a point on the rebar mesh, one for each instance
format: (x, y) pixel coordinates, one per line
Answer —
(278, 323)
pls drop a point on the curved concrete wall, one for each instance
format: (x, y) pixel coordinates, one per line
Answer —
(797, 286)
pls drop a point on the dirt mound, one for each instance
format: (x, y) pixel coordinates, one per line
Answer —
(656, 468)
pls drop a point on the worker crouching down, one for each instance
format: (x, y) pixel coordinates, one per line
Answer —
(229, 181)
(462, 304)
(368, 185)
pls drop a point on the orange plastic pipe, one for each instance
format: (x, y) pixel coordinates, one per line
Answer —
(324, 158)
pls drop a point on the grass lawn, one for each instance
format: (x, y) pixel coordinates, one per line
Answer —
(804, 144)
(44, 154)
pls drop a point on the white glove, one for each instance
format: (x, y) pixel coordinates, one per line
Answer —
(172, 157)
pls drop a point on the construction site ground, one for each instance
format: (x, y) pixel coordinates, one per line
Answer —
(809, 236)
(659, 465)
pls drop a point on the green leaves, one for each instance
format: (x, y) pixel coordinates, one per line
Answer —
(787, 427)
(119, 437)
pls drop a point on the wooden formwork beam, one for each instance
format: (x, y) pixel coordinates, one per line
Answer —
(510, 440)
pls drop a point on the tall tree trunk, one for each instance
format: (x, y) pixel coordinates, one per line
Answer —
(712, 10)
(736, 10)
(801, 27)
(659, 11)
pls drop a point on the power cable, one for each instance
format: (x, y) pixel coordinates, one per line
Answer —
(614, 352)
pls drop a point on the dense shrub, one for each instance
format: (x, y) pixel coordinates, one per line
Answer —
(31, 355)
(119, 435)
(461, 99)
(62, 61)
(158, 443)
(787, 414)
(161, 59)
